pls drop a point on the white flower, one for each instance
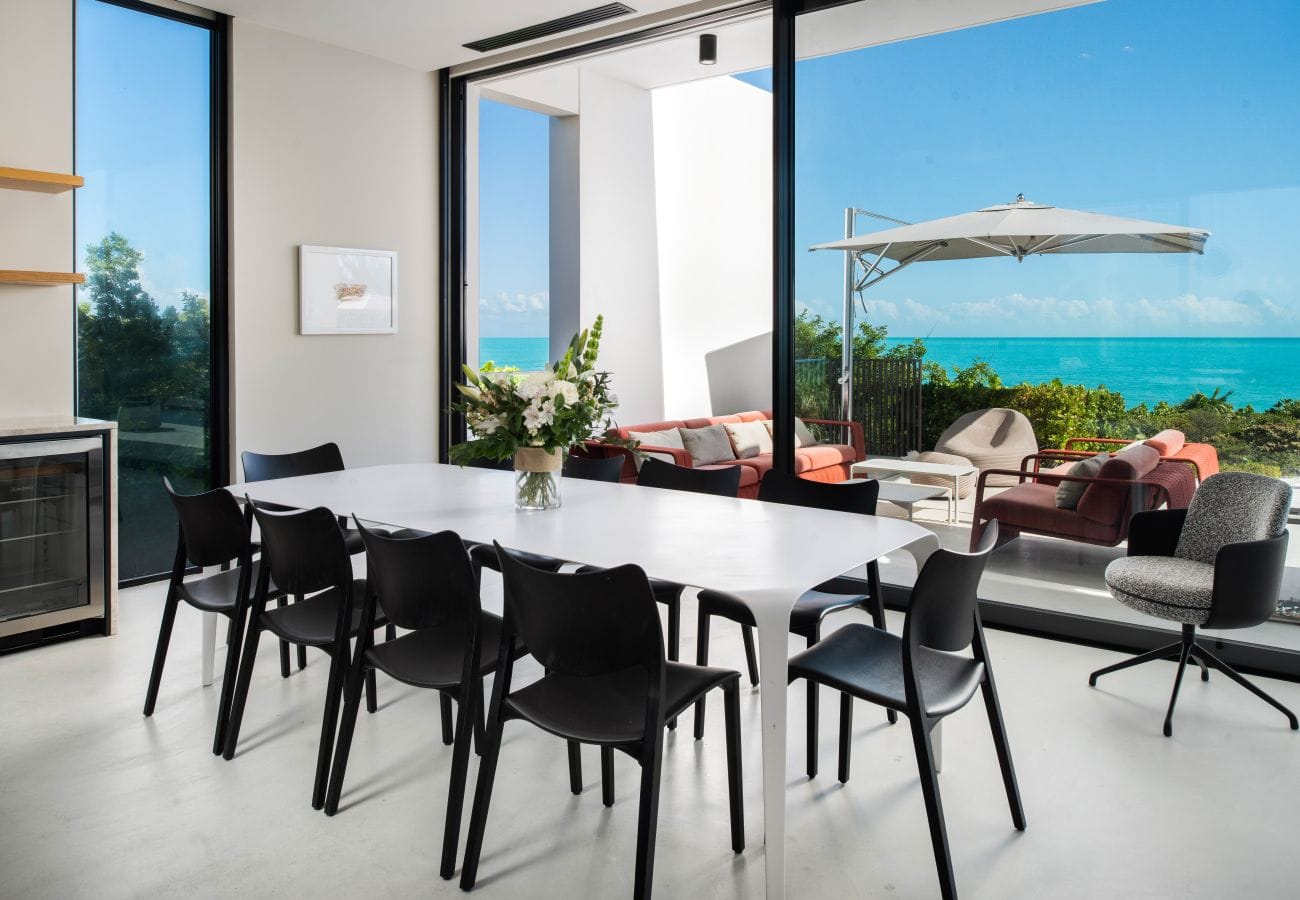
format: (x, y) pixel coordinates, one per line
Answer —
(540, 412)
(535, 385)
(488, 424)
(566, 389)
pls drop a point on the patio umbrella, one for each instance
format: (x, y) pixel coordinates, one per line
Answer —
(1018, 229)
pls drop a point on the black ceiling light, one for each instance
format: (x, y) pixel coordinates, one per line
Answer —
(708, 49)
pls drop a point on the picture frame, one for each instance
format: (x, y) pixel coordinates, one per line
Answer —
(346, 290)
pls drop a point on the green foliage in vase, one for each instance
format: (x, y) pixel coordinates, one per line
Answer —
(553, 409)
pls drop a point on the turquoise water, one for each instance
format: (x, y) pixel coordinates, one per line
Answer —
(1258, 371)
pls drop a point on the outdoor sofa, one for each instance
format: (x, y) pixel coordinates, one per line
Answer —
(1134, 480)
(1172, 446)
(815, 460)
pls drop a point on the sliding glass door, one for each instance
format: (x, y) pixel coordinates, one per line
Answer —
(150, 342)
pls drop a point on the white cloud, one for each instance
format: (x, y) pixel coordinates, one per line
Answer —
(515, 303)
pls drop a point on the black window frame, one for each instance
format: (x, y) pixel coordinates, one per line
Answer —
(218, 28)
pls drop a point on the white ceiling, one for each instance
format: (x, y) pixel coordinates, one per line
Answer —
(423, 34)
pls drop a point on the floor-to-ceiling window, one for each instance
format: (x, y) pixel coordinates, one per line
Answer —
(145, 97)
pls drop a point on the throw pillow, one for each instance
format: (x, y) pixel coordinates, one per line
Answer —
(707, 445)
(1068, 493)
(667, 438)
(802, 436)
(748, 439)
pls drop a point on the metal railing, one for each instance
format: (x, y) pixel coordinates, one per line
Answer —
(886, 399)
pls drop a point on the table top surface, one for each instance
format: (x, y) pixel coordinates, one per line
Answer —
(912, 465)
(761, 552)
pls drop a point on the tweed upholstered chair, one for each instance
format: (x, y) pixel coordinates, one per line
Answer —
(1216, 564)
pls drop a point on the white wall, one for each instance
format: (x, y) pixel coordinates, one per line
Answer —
(335, 148)
(713, 182)
(36, 323)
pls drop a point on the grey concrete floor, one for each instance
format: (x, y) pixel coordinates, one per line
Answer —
(97, 801)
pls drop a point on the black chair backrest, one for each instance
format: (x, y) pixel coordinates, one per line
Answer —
(269, 466)
(941, 614)
(593, 468)
(422, 580)
(583, 623)
(304, 550)
(656, 473)
(858, 497)
(214, 528)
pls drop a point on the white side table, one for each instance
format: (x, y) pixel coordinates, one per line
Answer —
(885, 466)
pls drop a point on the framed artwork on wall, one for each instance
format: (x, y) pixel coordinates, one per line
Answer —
(346, 291)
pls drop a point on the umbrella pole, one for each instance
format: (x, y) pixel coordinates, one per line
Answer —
(846, 352)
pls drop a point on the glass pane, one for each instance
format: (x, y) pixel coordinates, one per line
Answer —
(144, 241)
(1185, 116)
(42, 533)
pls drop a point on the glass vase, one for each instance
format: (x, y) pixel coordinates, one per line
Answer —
(537, 478)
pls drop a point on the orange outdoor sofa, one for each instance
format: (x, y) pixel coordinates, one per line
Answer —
(829, 462)
(1172, 446)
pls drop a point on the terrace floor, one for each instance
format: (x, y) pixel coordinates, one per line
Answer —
(100, 802)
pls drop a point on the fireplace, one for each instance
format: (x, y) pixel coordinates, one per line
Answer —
(53, 538)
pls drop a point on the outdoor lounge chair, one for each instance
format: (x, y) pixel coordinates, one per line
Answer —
(1171, 444)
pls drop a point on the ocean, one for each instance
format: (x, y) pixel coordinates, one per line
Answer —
(1258, 371)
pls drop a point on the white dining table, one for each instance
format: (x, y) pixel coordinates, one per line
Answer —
(765, 554)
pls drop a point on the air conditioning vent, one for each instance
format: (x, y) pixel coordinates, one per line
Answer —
(555, 26)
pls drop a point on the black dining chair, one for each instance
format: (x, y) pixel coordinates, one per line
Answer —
(303, 551)
(213, 532)
(924, 674)
(593, 468)
(313, 461)
(607, 682)
(427, 587)
(835, 595)
(723, 481)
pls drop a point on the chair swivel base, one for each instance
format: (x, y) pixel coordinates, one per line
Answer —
(1185, 650)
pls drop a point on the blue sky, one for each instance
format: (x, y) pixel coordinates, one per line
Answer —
(1186, 113)
(142, 142)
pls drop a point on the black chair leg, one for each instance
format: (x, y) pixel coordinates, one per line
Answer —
(1196, 658)
(701, 659)
(343, 746)
(846, 735)
(607, 775)
(1003, 747)
(372, 692)
(480, 714)
(487, 770)
(1248, 685)
(877, 595)
(1178, 681)
(160, 653)
(236, 715)
(329, 722)
(735, 784)
(1168, 652)
(674, 639)
(282, 602)
(751, 661)
(814, 721)
(648, 814)
(302, 648)
(234, 638)
(575, 767)
(459, 771)
(444, 702)
(933, 806)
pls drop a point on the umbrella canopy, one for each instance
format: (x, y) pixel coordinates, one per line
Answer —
(1021, 229)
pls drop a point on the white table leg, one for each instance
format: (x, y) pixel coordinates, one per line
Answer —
(209, 646)
(773, 650)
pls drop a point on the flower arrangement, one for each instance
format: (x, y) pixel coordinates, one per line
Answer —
(547, 411)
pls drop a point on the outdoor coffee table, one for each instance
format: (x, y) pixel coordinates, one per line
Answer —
(885, 466)
(904, 494)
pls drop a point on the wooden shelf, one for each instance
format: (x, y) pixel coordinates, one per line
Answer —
(40, 279)
(32, 180)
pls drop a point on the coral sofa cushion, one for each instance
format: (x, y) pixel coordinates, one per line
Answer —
(1033, 507)
(1105, 502)
(750, 475)
(1168, 442)
(748, 438)
(707, 445)
(1068, 493)
(821, 456)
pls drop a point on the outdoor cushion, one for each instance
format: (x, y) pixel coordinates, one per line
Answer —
(1068, 493)
(1168, 442)
(802, 436)
(1167, 587)
(667, 438)
(1106, 502)
(820, 456)
(991, 439)
(748, 438)
(707, 445)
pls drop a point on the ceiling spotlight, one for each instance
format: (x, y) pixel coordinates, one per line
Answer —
(708, 49)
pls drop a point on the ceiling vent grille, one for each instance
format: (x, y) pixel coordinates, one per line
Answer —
(555, 26)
